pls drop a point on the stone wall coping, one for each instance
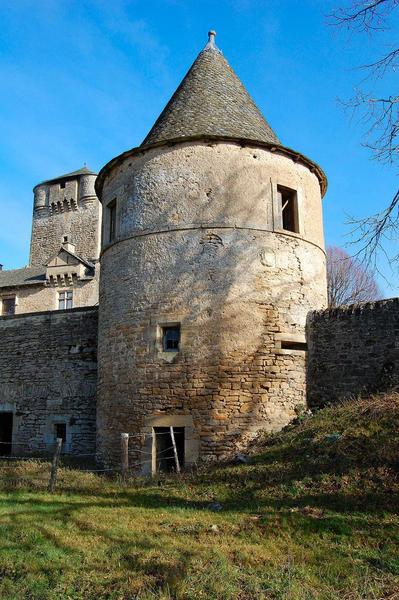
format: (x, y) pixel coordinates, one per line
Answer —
(194, 226)
(348, 310)
(272, 147)
(45, 313)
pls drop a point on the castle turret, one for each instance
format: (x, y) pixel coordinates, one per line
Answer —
(213, 254)
(66, 209)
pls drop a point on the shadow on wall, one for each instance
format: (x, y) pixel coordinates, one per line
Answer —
(353, 350)
(233, 290)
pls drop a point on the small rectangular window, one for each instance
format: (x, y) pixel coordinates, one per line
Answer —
(294, 346)
(288, 204)
(171, 338)
(8, 306)
(62, 185)
(60, 431)
(65, 300)
(111, 220)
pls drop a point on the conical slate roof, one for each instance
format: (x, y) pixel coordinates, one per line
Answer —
(211, 100)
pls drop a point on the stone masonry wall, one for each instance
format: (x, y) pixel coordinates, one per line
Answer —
(48, 375)
(80, 223)
(352, 350)
(198, 243)
(39, 298)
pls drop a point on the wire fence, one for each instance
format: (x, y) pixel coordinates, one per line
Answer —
(139, 452)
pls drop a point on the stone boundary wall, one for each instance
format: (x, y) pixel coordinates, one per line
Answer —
(352, 350)
(48, 375)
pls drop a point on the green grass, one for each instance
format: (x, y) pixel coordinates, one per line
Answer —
(313, 515)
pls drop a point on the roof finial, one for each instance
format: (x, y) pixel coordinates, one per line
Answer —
(211, 41)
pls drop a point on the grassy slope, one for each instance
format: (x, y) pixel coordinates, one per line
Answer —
(313, 515)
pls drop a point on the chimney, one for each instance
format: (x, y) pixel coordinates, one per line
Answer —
(1, 267)
(68, 245)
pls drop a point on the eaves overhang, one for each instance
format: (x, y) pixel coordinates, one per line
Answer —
(276, 148)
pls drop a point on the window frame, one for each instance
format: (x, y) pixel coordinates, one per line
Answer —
(6, 299)
(67, 299)
(111, 220)
(292, 200)
(164, 331)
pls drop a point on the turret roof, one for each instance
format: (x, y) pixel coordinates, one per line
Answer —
(211, 104)
(211, 100)
(83, 171)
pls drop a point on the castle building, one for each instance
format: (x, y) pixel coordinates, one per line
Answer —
(212, 255)
(64, 253)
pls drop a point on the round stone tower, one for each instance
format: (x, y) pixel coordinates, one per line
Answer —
(213, 255)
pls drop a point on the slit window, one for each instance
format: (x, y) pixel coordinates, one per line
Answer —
(65, 300)
(288, 203)
(112, 220)
(171, 338)
(165, 458)
(294, 346)
(8, 306)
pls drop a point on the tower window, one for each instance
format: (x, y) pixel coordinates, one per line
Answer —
(111, 220)
(62, 185)
(171, 338)
(288, 204)
(65, 300)
(8, 306)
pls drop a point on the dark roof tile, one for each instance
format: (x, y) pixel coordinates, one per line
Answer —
(24, 276)
(83, 171)
(211, 100)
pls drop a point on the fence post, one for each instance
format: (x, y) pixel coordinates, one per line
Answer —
(154, 470)
(54, 465)
(124, 456)
(172, 435)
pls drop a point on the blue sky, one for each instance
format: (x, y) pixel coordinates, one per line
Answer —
(84, 80)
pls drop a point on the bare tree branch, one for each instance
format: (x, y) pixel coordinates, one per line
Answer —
(347, 280)
(365, 15)
(381, 119)
(380, 66)
(372, 232)
(380, 116)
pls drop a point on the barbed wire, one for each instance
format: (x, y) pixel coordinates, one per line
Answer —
(10, 463)
(157, 433)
